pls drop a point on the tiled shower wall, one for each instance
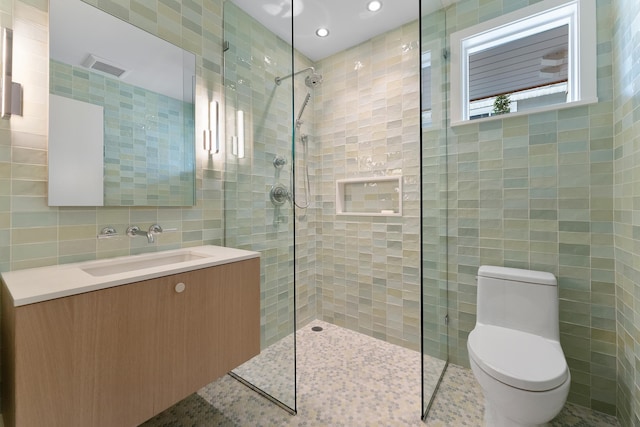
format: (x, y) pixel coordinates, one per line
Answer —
(33, 234)
(367, 124)
(255, 58)
(626, 56)
(536, 192)
(363, 120)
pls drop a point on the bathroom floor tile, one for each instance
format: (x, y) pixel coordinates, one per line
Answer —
(345, 379)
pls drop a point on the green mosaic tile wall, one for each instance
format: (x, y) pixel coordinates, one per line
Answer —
(146, 158)
(536, 192)
(626, 192)
(33, 234)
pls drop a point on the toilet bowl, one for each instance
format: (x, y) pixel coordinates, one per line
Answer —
(514, 349)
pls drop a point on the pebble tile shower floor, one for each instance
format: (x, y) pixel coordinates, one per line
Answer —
(348, 379)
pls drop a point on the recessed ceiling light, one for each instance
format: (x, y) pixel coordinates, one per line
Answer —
(322, 32)
(374, 5)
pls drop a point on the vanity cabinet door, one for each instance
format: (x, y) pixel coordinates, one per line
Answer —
(77, 359)
(114, 354)
(239, 313)
(208, 327)
(188, 338)
(40, 373)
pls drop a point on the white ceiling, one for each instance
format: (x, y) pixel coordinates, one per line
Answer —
(78, 29)
(349, 21)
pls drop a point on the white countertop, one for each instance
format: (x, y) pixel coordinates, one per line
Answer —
(45, 283)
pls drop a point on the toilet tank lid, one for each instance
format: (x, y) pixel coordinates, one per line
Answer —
(518, 275)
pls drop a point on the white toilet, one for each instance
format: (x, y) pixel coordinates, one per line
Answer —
(514, 349)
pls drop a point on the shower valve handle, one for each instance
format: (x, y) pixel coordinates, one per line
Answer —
(279, 195)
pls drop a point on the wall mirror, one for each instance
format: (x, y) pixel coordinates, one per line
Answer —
(537, 58)
(121, 113)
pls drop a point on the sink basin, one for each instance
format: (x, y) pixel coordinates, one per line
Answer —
(146, 261)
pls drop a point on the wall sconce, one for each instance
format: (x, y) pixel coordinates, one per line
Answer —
(10, 92)
(237, 142)
(211, 136)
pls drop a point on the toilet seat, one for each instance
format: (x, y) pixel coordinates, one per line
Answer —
(518, 359)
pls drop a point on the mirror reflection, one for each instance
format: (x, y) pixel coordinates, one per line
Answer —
(140, 89)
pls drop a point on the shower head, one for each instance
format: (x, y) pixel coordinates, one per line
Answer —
(304, 105)
(313, 80)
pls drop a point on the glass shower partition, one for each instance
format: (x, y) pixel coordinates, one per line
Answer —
(434, 89)
(259, 146)
(258, 214)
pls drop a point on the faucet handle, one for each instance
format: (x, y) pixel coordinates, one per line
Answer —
(132, 230)
(107, 232)
(155, 229)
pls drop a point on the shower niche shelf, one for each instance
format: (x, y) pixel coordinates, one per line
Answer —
(369, 196)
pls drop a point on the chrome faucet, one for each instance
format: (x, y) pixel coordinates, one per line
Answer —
(136, 231)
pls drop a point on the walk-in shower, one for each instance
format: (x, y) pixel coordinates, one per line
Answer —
(348, 123)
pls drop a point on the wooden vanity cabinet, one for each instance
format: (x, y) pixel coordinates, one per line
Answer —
(118, 356)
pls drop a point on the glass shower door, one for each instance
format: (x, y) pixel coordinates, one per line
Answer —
(258, 214)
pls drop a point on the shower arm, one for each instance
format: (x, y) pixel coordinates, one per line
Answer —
(280, 79)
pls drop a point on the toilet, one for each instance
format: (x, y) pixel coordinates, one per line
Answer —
(514, 348)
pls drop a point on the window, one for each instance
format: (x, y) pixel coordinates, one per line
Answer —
(534, 59)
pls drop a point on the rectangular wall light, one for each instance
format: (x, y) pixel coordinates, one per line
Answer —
(240, 132)
(211, 136)
(10, 92)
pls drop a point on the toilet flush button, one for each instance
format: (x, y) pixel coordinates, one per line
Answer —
(180, 287)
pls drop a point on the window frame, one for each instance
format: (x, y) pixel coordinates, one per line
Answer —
(582, 81)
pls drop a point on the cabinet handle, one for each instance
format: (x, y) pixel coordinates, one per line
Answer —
(180, 287)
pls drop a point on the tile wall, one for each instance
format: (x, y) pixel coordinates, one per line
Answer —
(367, 116)
(626, 192)
(255, 58)
(536, 192)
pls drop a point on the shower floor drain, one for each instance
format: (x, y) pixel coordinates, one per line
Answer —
(316, 328)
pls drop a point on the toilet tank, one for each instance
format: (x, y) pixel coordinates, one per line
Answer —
(524, 300)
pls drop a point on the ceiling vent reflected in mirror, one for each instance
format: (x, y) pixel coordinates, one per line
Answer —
(104, 66)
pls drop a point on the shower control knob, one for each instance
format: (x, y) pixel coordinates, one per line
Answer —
(180, 287)
(279, 162)
(278, 195)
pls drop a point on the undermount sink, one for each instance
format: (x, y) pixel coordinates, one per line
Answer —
(145, 261)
